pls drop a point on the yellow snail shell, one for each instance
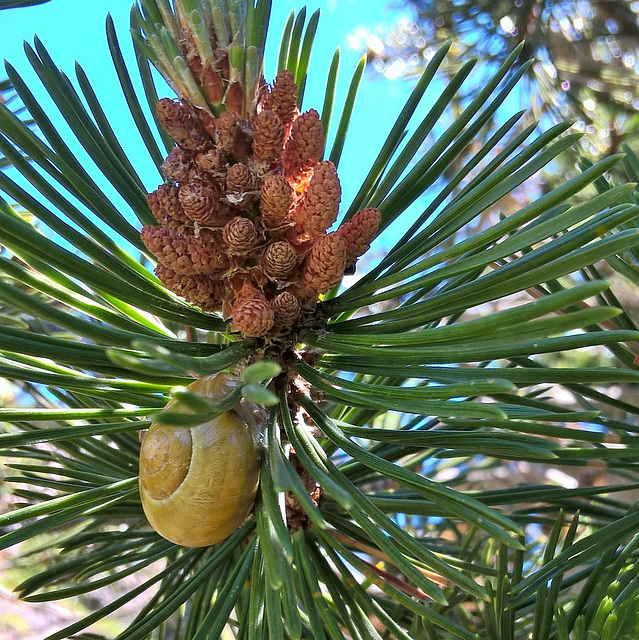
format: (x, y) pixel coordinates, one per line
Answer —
(198, 484)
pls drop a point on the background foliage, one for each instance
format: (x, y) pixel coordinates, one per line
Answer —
(586, 55)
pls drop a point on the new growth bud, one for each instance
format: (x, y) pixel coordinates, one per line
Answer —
(325, 264)
(320, 204)
(276, 200)
(283, 97)
(305, 145)
(252, 314)
(287, 309)
(240, 235)
(279, 259)
(268, 137)
(358, 233)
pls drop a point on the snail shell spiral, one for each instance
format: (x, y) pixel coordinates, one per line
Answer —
(198, 484)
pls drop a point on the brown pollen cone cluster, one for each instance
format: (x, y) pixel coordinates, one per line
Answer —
(243, 215)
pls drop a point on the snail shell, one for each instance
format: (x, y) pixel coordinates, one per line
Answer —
(198, 484)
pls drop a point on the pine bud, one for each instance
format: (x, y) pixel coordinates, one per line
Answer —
(246, 292)
(283, 97)
(174, 117)
(286, 309)
(358, 233)
(226, 129)
(202, 290)
(180, 124)
(251, 312)
(164, 204)
(319, 207)
(276, 199)
(325, 263)
(239, 179)
(201, 203)
(233, 135)
(305, 145)
(184, 253)
(240, 235)
(268, 137)
(210, 161)
(278, 259)
(177, 165)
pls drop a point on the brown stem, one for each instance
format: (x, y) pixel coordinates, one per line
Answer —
(400, 584)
